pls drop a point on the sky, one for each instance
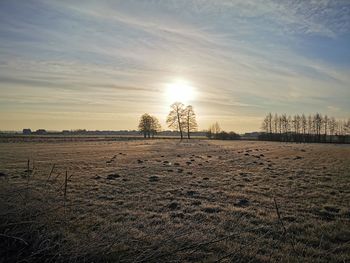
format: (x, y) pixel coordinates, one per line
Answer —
(102, 64)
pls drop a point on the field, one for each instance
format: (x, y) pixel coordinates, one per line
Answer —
(170, 201)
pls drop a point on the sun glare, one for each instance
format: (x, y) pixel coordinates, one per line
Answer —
(179, 90)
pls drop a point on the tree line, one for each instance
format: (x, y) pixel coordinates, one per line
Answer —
(302, 128)
(181, 118)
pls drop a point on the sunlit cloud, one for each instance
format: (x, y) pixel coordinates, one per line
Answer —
(118, 58)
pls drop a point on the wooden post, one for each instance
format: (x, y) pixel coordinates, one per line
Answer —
(53, 167)
(65, 190)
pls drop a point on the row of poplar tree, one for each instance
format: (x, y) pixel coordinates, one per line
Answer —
(301, 128)
(181, 118)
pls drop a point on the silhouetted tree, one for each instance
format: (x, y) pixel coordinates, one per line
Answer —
(280, 124)
(155, 126)
(318, 125)
(145, 125)
(215, 132)
(325, 122)
(190, 123)
(209, 132)
(269, 122)
(310, 126)
(303, 123)
(347, 127)
(275, 123)
(265, 125)
(215, 129)
(227, 136)
(148, 125)
(175, 119)
(299, 128)
(332, 124)
(284, 124)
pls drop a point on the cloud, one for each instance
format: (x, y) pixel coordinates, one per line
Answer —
(243, 57)
(333, 108)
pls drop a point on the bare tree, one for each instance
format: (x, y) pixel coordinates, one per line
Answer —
(299, 128)
(302, 127)
(310, 126)
(269, 122)
(265, 125)
(275, 123)
(145, 125)
(318, 125)
(284, 126)
(209, 132)
(325, 122)
(216, 129)
(298, 123)
(295, 123)
(347, 127)
(340, 128)
(148, 125)
(280, 124)
(289, 127)
(213, 130)
(303, 123)
(190, 123)
(176, 116)
(332, 124)
(155, 126)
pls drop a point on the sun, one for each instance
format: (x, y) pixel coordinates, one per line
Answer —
(179, 90)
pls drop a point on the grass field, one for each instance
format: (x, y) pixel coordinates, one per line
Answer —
(166, 201)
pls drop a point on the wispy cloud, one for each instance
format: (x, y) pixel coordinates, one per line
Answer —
(244, 58)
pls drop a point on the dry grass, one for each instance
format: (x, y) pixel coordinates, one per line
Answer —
(165, 201)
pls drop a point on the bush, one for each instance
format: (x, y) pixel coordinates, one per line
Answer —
(227, 136)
